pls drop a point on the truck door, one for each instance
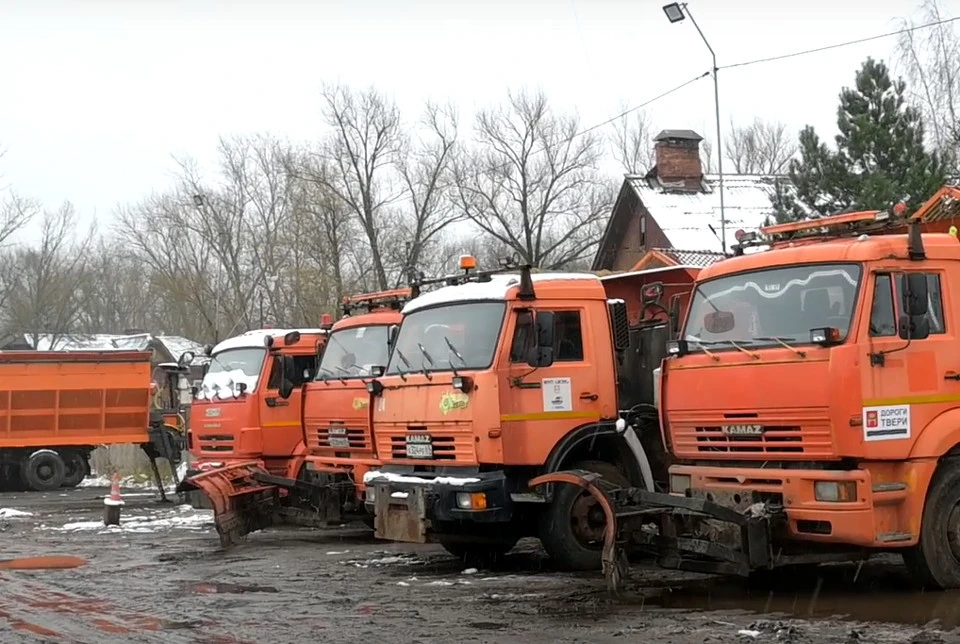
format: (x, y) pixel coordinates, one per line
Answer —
(279, 417)
(539, 406)
(904, 382)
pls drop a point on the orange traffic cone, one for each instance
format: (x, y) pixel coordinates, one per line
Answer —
(111, 504)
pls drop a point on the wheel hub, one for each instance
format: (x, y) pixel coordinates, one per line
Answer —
(587, 521)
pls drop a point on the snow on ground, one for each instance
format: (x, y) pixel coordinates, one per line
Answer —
(10, 513)
(184, 517)
(127, 483)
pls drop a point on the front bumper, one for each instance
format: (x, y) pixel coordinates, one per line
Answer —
(410, 508)
(869, 519)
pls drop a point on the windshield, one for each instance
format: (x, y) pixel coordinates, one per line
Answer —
(230, 368)
(454, 337)
(772, 306)
(351, 353)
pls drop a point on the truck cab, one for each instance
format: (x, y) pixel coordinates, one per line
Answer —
(249, 402)
(817, 385)
(499, 377)
(337, 417)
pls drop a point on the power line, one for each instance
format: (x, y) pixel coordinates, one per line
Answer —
(842, 44)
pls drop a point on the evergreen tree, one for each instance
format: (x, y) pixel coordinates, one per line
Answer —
(879, 160)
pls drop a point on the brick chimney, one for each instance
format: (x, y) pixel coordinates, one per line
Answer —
(678, 159)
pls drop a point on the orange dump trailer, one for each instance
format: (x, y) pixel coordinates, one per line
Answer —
(56, 407)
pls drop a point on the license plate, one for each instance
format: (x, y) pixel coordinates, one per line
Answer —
(419, 446)
(338, 441)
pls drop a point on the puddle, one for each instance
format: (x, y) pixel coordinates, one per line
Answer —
(889, 598)
(42, 563)
(221, 588)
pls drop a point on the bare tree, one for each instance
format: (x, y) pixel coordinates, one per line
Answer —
(760, 148)
(44, 294)
(930, 58)
(363, 149)
(632, 143)
(533, 184)
(426, 171)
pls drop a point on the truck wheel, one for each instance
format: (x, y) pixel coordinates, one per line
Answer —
(479, 555)
(76, 468)
(571, 529)
(43, 471)
(935, 560)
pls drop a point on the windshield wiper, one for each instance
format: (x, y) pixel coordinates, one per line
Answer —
(400, 372)
(321, 370)
(454, 351)
(783, 342)
(426, 355)
(755, 356)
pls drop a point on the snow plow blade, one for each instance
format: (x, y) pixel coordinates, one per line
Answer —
(241, 504)
(686, 532)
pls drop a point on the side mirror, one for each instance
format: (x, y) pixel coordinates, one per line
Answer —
(207, 349)
(392, 333)
(674, 315)
(718, 322)
(915, 294)
(185, 358)
(542, 353)
(916, 327)
(286, 388)
(291, 338)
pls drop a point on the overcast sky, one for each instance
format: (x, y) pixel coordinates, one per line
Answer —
(98, 94)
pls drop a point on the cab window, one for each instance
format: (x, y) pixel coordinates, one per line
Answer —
(304, 370)
(883, 317)
(567, 334)
(934, 302)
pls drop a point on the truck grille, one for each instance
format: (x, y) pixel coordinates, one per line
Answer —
(427, 443)
(796, 433)
(339, 437)
(215, 443)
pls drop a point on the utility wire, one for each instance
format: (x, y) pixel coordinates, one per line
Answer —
(842, 44)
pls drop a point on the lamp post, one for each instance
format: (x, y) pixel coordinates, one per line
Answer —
(676, 12)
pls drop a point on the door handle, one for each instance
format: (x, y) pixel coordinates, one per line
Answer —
(273, 401)
(951, 375)
(588, 396)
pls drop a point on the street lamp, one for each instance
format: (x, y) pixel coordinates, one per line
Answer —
(676, 12)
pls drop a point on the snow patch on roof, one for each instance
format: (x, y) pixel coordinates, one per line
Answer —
(174, 344)
(686, 218)
(498, 288)
(255, 338)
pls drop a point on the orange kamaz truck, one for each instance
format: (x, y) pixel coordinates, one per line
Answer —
(812, 402)
(337, 417)
(57, 406)
(246, 413)
(314, 480)
(505, 375)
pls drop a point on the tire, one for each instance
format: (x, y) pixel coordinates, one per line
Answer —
(570, 530)
(479, 555)
(935, 560)
(76, 466)
(43, 471)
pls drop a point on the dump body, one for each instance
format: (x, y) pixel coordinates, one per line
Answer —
(56, 407)
(464, 419)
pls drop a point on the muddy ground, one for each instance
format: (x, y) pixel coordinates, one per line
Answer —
(161, 577)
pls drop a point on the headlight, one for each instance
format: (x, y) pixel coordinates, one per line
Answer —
(835, 491)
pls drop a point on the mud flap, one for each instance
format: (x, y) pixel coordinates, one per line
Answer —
(241, 504)
(401, 518)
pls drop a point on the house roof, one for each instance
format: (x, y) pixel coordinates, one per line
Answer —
(688, 135)
(696, 258)
(175, 345)
(690, 220)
